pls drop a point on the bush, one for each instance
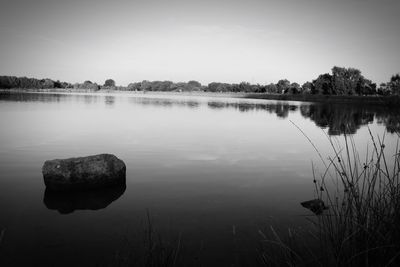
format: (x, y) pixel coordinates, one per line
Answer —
(109, 83)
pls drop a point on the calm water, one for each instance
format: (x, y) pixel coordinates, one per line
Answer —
(210, 171)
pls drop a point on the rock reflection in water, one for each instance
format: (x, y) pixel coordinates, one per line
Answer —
(68, 202)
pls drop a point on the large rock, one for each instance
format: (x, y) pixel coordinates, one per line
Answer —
(98, 171)
(317, 206)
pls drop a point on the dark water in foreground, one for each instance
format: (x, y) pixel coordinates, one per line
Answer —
(210, 171)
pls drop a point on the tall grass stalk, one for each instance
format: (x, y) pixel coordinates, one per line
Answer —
(154, 251)
(362, 224)
(2, 232)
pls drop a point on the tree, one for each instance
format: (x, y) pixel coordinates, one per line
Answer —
(194, 84)
(27, 83)
(133, 87)
(394, 84)
(47, 84)
(271, 88)
(219, 87)
(323, 85)
(350, 81)
(339, 81)
(86, 85)
(145, 86)
(283, 85)
(307, 88)
(109, 83)
(245, 87)
(366, 87)
(293, 89)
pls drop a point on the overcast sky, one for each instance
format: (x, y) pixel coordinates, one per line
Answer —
(205, 40)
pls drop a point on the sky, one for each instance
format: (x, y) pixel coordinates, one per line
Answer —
(257, 41)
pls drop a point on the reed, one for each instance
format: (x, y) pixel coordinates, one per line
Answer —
(361, 226)
(2, 232)
(154, 250)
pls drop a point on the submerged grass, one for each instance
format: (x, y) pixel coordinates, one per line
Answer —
(2, 232)
(155, 250)
(361, 226)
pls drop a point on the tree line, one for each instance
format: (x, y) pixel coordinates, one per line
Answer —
(341, 81)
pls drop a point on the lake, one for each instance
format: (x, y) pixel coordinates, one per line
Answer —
(208, 172)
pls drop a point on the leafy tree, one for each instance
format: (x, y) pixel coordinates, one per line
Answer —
(109, 83)
(219, 87)
(366, 87)
(87, 85)
(47, 83)
(180, 87)
(7, 82)
(271, 88)
(245, 87)
(323, 85)
(293, 89)
(283, 85)
(307, 88)
(340, 82)
(194, 84)
(259, 88)
(350, 81)
(235, 88)
(134, 87)
(394, 84)
(145, 86)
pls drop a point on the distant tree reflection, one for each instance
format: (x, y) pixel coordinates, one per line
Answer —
(338, 118)
(281, 109)
(391, 120)
(348, 118)
(109, 100)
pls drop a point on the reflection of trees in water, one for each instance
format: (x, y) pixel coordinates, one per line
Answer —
(391, 121)
(29, 97)
(338, 118)
(281, 109)
(49, 98)
(164, 102)
(88, 99)
(109, 100)
(347, 118)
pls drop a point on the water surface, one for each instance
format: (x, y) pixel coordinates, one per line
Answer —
(212, 171)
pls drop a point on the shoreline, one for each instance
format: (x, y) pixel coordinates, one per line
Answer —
(108, 92)
(372, 100)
